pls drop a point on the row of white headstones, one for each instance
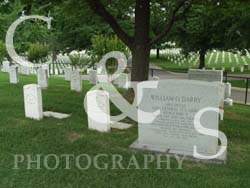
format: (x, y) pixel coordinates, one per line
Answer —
(213, 59)
(34, 104)
(32, 93)
(75, 77)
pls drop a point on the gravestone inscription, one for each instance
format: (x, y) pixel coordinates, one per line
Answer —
(173, 131)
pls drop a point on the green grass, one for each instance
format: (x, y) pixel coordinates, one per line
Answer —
(239, 83)
(165, 63)
(19, 135)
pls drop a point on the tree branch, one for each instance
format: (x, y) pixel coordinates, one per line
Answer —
(98, 8)
(170, 23)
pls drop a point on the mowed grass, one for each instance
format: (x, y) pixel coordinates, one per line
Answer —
(19, 135)
(165, 63)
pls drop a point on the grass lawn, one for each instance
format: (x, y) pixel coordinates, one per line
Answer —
(165, 63)
(239, 83)
(19, 135)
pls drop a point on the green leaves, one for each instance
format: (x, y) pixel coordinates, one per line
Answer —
(3, 52)
(38, 53)
(102, 44)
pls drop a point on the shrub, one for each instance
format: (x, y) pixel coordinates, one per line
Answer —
(79, 58)
(3, 52)
(102, 44)
(38, 53)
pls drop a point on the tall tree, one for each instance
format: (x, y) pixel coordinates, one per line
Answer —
(140, 41)
(213, 24)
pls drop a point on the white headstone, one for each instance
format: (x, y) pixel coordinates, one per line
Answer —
(89, 69)
(102, 78)
(33, 102)
(241, 69)
(42, 78)
(123, 81)
(24, 70)
(229, 102)
(76, 81)
(173, 131)
(205, 75)
(228, 90)
(67, 73)
(13, 74)
(92, 77)
(5, 66)
(98, 110)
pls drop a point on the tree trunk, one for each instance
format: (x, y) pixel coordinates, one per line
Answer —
(158, 53)
(141, 47)
(54, 56)
(202, 58)
(140, 66)
(140, 44)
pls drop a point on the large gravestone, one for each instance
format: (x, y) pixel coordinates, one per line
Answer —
(5, 66)
(13, 74)
(173, 131)
(98, 110)
(206, 75)
(76, 81)
(33, 102)
(42, 78)
(67, 73)
(92, 77)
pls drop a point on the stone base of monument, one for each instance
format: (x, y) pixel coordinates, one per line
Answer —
(120, 125)
(56, 115)
(169, 152)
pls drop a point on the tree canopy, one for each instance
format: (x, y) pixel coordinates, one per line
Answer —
(139, 24)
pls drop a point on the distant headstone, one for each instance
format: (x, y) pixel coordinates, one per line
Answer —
(24, 70)
(98, 110)
(228, 90)
(89, 69)
(242, 69)
(42, 78)
(205, 75)
(76, 81)
(102, 78)
(13, 74)
(173, 131)
(92, 77)
(123, 81)
(210, 76)
(5, 66)
(229, 102)
(67, 73)
(33, 102)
